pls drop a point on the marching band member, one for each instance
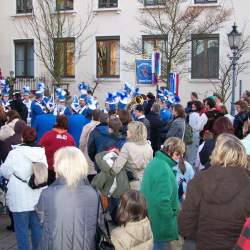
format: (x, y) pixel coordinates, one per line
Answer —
(27, 101)
(46, 121)
(37, 105)
(61, 108)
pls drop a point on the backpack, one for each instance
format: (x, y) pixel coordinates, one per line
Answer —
(188, 134)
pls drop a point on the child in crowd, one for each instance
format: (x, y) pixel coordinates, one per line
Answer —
(184, 173)
(134, 231)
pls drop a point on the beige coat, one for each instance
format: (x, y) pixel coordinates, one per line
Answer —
(7, 130)
(87, 129)
(134, 236)
(134, 157)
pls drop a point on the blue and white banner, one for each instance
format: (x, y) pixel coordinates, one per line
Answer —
(143, 71)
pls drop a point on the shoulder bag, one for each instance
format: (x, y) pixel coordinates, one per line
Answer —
(102, 238)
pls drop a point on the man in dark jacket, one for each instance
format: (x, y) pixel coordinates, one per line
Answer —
(18, 105)
(240, 118)
(139, 114)
(157, 127)
(149, 103)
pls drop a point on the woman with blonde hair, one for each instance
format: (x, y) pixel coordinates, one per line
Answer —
(68, 208)
(217, 200)
(134, 155)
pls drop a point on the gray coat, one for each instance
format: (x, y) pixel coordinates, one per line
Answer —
(176, 128)
(68, 216)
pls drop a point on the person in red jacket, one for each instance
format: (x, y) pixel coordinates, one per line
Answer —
(243, 242)
(55, 139)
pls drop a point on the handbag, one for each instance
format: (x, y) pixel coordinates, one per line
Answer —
(39, 177)
(102, 238)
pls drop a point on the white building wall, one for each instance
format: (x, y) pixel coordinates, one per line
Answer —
(117, 22)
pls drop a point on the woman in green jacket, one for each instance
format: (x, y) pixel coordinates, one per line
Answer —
(161, 192)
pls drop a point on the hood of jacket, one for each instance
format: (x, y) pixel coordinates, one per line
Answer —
(221, 184)
(33, 154)
(140, 231)
(136, 234)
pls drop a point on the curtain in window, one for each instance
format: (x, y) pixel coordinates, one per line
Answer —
(70, 51)
(102, 58)
(114, 58)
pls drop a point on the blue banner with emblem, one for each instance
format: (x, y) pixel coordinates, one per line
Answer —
(144, 71)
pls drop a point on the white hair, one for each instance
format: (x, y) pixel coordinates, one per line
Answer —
(71, 164)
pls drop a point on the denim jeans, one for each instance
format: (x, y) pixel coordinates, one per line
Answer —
(22, 222)
(161, 245)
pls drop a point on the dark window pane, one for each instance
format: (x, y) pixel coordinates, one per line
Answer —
(213, 59)
(24, 58)
(154, 2)
(108, 57)
(23, 6)
(198, 59)
(205, 56)
(64, 4)
(108, 3)
(205, 1)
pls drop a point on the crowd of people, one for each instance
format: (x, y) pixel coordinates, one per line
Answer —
(158, 171)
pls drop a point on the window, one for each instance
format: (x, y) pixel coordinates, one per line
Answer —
(205, 56)
(64, 57)
(108, 57)
(205, 1)
(64, 5)
(108, 3)
(24, 58)
(154, 2)
(23, 6)
(151, 42)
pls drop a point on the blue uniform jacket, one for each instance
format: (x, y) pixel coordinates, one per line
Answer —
(36, 109)
(43, 124)
(76, 124)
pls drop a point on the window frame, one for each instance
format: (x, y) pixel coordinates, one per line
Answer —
(25, 42)
(65, 8)
(65, 40)
(107, 38)
(155, 3)
(107, 5)
(205, 37)
(25, 9)
(205, 2)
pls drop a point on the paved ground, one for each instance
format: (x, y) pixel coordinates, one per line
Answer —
(8, 240)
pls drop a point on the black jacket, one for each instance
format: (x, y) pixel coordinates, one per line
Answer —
(157, 130)
(21, 108)
(239, 120)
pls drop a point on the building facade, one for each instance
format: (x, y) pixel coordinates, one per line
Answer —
(114, 23)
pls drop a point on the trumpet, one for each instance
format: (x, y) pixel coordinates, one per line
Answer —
(137, 100)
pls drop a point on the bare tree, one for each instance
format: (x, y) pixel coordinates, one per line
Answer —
(224, 87)
(177, 21)
(49, 25)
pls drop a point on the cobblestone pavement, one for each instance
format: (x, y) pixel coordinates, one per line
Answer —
(8, 240)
